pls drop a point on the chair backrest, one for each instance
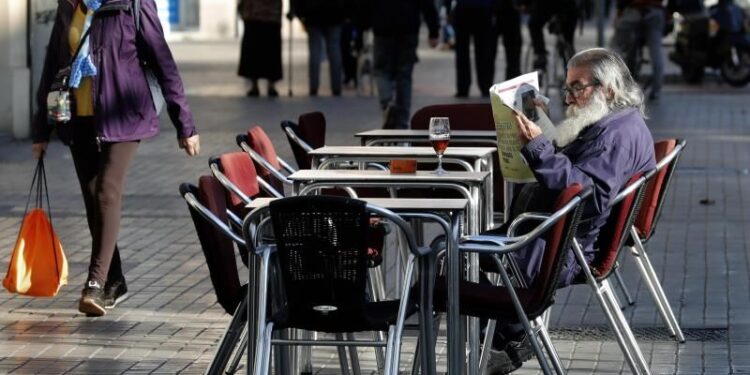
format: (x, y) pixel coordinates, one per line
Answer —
(217, 247)
(322, 250)
(558, 240)
(311, 129)
(466, 116)
(239, 169)
(259, 141)
(653, 199)
(615, 229)
(462, 116)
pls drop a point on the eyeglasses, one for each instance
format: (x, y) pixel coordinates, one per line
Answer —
(576, 91)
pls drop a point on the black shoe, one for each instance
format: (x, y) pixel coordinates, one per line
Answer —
(272, 93)
(253, 92)
(461, 95)
(500, 363)
(520, 351)
(115, 293)
(92, 299)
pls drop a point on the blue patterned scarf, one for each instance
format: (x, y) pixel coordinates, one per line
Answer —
(83, 66)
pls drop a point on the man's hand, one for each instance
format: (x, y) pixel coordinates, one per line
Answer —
(191, 145)
(39, 149)
(541, 104)
(527, 130)
(433, 42)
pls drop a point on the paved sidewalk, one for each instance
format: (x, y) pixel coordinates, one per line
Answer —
(171, 323)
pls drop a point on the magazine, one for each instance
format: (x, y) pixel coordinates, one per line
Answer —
(517, 94)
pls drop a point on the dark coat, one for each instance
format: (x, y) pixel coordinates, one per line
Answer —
(605, 155)
(123, 108)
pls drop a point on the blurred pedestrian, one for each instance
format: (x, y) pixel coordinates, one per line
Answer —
(260, 54)
(566, 14)
(507, 25)
(636, 22)
(112, 111)
(395, 25)
(323, 20)
(472, 22)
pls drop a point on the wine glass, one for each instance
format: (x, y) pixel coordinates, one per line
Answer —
(440, 135)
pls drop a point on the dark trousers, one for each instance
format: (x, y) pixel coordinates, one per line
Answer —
(101, 174)
(508, 26)
(474, 23)
(567, 17)
(394, 58)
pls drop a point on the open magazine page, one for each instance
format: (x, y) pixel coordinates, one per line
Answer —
(516, 94)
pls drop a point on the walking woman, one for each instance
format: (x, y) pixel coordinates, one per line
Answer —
(260, 54)
(112, 110)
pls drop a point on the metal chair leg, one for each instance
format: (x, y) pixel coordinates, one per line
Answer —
(628, 333)
(654, 286)
(235, 362)
(623, 287)
(343, 363)
(543, 334)
(484, 357)
(353, 356)
(228, 345)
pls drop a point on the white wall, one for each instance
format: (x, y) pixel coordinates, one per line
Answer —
(14, 74)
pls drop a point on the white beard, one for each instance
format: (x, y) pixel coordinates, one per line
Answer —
(579, 118)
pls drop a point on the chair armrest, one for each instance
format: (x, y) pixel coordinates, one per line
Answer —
(208, 215)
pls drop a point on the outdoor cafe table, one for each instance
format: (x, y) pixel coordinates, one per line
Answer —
(473, 159)
(376, 137)
(469, 184)
(446, 212)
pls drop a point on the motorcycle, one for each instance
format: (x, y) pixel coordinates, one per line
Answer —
(718, 40)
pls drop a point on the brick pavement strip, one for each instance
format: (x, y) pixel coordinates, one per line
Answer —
(171, 322)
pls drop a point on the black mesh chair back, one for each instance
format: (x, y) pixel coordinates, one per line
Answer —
(322, 248)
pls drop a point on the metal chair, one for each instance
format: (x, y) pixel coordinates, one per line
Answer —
(308, 134)
(667, 154)
(320, 259)
(525, 304)
(596, 274)
(268, 164)
(236, 172)
(207, 206)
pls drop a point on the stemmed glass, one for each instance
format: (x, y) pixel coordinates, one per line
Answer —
(440, 135)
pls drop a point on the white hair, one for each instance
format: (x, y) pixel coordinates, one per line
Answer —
(608, 69)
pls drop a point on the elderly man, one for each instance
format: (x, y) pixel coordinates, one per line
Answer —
(602, 143)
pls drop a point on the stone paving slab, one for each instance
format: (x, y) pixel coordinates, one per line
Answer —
(171, 323)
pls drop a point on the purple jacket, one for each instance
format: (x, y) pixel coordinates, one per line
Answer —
(123, 108)
(605, 155)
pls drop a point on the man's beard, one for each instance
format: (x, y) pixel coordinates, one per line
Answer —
(579, 118)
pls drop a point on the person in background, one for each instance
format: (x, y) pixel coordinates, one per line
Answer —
(112, 112)
(541, 12)
(395, 25)
(260, 54)
(472, 21)
(323, 20)
(641, 18)
(507, 25)
(602, 142)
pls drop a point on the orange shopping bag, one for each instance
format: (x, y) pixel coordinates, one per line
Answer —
(38, 266)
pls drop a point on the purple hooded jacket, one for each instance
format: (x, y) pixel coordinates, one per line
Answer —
(605, 155)
(123, 108)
